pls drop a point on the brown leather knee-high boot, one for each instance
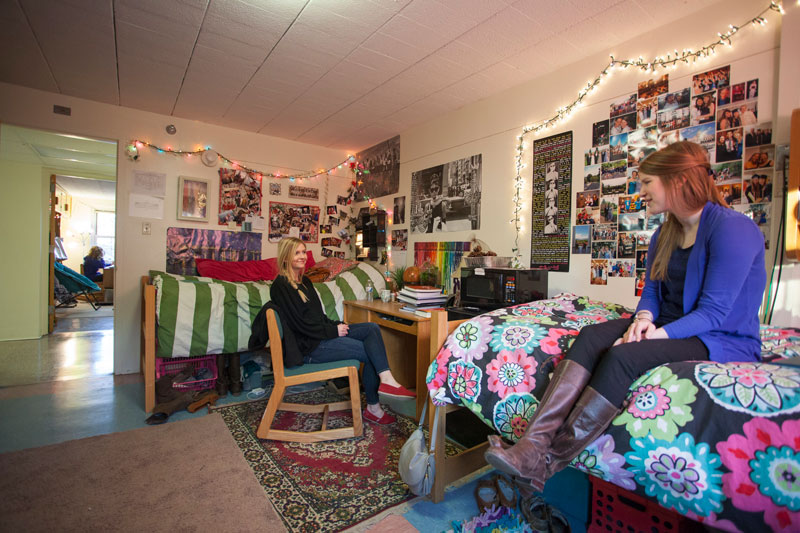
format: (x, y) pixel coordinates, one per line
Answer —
(589, 418)
(526, 458)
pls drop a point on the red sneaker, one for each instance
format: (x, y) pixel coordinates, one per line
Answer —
(396, 392)
(384, 420)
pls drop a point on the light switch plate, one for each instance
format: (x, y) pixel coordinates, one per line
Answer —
(145, 228)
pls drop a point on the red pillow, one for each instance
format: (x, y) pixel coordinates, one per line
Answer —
(273, 263)
(236, 270)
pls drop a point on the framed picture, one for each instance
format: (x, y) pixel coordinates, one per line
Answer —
(192, 199)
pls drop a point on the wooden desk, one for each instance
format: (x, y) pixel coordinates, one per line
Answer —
(407, 345)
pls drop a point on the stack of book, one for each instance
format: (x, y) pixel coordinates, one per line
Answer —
(420, 299)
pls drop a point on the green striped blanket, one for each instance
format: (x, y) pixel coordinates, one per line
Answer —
(200, 316)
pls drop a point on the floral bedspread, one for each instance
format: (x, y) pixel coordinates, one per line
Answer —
(719, 443)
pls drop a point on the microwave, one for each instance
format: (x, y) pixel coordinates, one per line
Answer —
(493, 288)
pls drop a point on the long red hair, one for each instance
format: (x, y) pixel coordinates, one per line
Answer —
(685, 173)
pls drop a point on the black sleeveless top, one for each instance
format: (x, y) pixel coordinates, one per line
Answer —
(672, 288)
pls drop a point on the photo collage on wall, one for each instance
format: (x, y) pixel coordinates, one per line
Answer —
(334, 230)
(612, 223)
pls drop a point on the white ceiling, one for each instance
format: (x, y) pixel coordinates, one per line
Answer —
(338, 73)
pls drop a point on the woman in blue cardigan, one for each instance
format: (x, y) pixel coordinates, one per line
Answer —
(703, 288)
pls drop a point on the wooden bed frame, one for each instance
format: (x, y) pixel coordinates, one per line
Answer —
(148, 343)
(454, 467)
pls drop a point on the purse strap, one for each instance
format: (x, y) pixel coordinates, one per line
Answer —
(435, 422)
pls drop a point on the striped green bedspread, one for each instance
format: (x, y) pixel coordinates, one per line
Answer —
(200, 316)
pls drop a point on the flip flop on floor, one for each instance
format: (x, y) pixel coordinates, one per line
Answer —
(506, 492)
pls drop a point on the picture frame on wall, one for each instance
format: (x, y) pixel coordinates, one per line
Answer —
(192, 199)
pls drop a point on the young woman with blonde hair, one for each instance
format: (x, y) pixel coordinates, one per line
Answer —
(93, 263)
(322, 340)
(703, 287)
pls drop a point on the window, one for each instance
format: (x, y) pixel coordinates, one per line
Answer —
(106, 221)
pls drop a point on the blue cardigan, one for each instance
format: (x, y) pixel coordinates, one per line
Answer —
(725, 280)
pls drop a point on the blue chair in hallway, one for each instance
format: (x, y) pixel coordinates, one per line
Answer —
(76, 284)
(309, 373)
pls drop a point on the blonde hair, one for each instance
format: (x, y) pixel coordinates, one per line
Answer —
(685, 173)
(95, 252)
(287, 247)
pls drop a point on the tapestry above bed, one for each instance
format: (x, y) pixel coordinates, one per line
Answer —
(719, 443)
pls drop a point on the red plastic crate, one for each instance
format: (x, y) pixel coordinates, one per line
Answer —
(174, 365)
(616, 510)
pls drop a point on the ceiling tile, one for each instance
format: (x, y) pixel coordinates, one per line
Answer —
(22, 61)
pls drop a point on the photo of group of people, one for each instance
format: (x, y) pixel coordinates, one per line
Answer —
(712, 112)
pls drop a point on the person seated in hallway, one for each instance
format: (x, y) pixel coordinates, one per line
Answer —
(322, 340)
(94, 263)
(700, 300)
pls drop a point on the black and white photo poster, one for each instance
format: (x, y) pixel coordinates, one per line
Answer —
(447, 197)
(550, 203)
(383, 163)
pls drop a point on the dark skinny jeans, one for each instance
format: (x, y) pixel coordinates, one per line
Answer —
(364, 343)
(614, 368)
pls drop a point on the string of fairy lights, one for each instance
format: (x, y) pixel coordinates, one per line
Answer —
(350, 161)
(651, 66)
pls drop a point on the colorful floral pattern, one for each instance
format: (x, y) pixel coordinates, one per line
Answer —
(464, 380)
(764, 475)
(661, 446)
(680, 474)
(470, 340)
(517, 334)
(659, 404)
(511, 415)
(759, 389)
(511, 372)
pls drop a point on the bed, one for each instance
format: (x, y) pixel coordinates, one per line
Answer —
(718, 443)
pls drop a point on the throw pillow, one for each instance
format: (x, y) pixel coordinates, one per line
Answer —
(318, 274)
(336, 266)
(236, 270)
(273, 262)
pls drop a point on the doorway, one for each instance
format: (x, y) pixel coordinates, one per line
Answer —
(78, 341)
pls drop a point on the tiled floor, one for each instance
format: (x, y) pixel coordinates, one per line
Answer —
(61, 387)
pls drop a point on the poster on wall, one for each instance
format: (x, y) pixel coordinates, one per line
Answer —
(293, 220)
(447, 197)
(184, 245)
(383, 162)
(550, 202)
(239, 195)
(304, 193)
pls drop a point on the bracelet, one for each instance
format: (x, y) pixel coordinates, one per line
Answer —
(647, 317)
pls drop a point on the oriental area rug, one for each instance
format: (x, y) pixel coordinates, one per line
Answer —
(323, 486)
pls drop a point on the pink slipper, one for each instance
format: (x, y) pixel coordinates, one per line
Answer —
(384, 420)
(396, 392)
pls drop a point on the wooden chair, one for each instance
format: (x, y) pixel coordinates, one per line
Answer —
(308, 373)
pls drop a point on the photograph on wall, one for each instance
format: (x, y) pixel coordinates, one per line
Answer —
(604, 249)
(325, 228)
(551, 199)
(619, 147)
(638, 286)
(184, 245)
(702, 134)
(712, 79)
(274, 189)
(192, 199)
(399, 210)
(620, 268)
(757, 187)
(652, 88)
(600, 133)
(674, 100)
(703, 108)
(304, 193)
(604, 232)
(623, 124)
(239, 195)
(599, 272)
(342, 200)
(623, 106)
(581, 239)
(760, 213)
(751, 90)
(399, 239)
(758, 135)
(331, 241)
(447, 197)
(729, 145)
(293, 220)
(646, 112)
(591, 178)
(383, 163)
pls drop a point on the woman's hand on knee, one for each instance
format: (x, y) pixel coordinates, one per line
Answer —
(343, 329)
(657, 333)
(638, 330)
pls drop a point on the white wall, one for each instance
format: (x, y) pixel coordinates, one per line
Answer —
(137, 253)
(490, 127)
